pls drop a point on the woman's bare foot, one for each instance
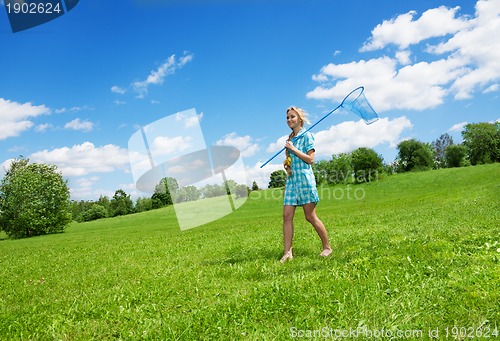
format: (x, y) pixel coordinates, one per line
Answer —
(286, 256)
(326, 253)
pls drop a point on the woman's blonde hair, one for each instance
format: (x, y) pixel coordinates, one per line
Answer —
(303, 119)
(302, 114)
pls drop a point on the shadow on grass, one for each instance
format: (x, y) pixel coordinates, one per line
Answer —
(236, 256)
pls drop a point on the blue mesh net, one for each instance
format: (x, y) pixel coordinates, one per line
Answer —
(357, 103)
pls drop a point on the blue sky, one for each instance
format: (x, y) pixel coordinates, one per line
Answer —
(74, 90)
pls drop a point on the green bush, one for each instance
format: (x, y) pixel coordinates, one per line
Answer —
(455, 155)
(95, 212)
(34, 200)
(482, 141)
(278, 179)
(366, 165)
(414, 155)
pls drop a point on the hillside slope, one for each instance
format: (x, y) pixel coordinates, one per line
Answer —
(413, 253)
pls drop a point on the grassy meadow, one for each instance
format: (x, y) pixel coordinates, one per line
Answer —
(416, 256)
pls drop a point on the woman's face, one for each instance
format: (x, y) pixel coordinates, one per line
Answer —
(293, 119)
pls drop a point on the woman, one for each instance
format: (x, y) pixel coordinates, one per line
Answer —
(300, 189)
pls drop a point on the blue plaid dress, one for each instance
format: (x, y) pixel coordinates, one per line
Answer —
(300, 187)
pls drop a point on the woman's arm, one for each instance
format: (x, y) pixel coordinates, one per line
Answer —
(306, 157)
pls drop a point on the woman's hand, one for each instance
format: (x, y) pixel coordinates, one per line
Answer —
(306, 157)
(289, 145)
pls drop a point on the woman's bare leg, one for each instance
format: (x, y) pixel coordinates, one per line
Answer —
(288, 214)
(311, 217)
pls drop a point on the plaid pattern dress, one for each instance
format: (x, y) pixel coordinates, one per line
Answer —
(300, 187)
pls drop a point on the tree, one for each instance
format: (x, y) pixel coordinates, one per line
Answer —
(414, 155)
(143, 204)
(210, 191)
(106, 203)
(121, 204)
(341, 168)
(76, 210)
(366, 164)
(241, 191)
(439, 147)
(34, 200)
(188, 193)
(482, 141)
(230, 186)
(278, 179)
(321, 170)
(166, 192)
(455, 155)
(95, 212)
(255, 187)
(337, 170)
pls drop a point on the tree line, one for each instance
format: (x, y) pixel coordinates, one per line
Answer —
(481, 145)
(167, 192)
(35, 199)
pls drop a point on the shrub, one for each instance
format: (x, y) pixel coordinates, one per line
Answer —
(34, 200)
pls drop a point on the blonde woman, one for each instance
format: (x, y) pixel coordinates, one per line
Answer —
(300, 188)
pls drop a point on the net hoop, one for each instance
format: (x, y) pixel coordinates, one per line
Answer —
(357, 103)
(361, 89)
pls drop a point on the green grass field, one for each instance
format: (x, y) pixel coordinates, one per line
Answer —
(415, 255)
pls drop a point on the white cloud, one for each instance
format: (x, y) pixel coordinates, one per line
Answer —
(348, 136)
(83, 159)
(73, 109)
(43, 127)
(5, 166)
(82, 188)
(465, 61)
(242, 143)
(262, 175)
(118, 90)
(278, 145)
(479, 49)
(189, 120)
(165, 145)
(403, 57)
(87, 182)
(417, 86)
(85, 188)
(15, 117)
(78, 124)
(320, 78)
(187, 168)
(404, 31)
(458, 127)
(156, 77)
(493, 88)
